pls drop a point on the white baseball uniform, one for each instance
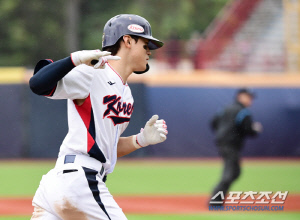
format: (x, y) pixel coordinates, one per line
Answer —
(75, 188)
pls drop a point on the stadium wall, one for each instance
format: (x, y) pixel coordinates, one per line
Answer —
(188, 112)
(34, 127)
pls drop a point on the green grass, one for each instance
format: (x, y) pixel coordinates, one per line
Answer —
(140, 177)
(284, 177)
(22, 178)
(169, 177)
(14, 218)
(199, 177)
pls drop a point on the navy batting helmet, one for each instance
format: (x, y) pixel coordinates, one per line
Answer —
(128, 24)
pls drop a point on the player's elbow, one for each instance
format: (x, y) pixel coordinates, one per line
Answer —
(35, 86)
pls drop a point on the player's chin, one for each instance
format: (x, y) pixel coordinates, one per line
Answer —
(142, 68)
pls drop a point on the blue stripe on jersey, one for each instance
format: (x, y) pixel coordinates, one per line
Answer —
(241, 116)
(95, 151)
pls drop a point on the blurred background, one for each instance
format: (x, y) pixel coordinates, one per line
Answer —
(212, 47)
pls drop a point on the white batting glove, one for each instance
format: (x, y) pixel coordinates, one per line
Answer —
(102, 60)
(92, 58)
(154, 132)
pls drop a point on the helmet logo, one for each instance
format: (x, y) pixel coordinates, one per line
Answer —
(135, 28)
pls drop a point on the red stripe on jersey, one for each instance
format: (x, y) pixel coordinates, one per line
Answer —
(85, 112)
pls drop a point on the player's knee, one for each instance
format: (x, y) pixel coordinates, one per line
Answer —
(231, 177)
(236, 174)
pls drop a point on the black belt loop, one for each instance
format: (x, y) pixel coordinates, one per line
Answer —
(102, 170)
(104, 179)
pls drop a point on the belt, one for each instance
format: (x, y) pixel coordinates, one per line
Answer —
(84, 161)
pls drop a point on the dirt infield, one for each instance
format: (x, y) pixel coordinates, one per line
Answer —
(181, 204)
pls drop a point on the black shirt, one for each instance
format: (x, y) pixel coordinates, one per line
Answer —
(232, 126)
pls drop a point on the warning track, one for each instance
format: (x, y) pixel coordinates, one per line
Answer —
(179, 204)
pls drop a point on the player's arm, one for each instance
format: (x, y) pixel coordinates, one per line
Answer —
(45, 79)
(154, 132)
(125, 146)
(214, 122)
(251, 128)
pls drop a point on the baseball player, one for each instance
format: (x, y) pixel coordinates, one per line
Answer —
(100, 105)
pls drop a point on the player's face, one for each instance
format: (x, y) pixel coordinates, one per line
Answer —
(141, 54)
(245, 99)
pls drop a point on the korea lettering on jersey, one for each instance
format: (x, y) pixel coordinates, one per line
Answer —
(95, 126)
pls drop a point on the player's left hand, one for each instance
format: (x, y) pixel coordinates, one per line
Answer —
(154, 132)
(257, 126)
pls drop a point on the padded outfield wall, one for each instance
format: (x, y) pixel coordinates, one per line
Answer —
(33, 126)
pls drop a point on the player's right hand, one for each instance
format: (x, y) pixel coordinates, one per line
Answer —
(94, 58)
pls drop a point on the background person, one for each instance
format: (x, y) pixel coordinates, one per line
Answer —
(231, 127)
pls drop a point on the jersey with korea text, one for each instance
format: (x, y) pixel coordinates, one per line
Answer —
(95, 126)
